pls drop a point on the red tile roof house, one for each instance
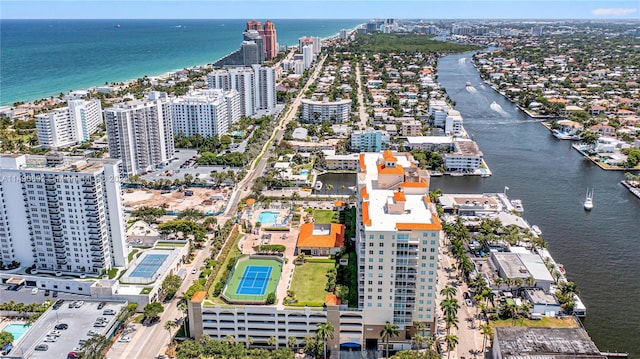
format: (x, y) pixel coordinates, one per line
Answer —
(604, 130)
(320, 239)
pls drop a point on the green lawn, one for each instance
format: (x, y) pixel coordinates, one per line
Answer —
(545, 322)
(310, 280)
(326, 216)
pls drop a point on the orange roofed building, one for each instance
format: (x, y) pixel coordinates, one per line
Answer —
(320, 239)
(397, 238)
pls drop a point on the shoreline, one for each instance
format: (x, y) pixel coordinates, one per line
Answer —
(634, 190)
(156, 76)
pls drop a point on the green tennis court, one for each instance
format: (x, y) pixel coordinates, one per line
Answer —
(253, 279)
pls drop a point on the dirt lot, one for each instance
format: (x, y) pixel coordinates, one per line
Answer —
(176, 201)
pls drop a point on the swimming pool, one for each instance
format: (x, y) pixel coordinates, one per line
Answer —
(304, 172)
(268, 217)
(17, 330)
(148, 266)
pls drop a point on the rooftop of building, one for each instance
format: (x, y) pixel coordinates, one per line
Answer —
(545, 343)
(538, 296)
(380, 209)
(54, 163)
(329, 235)
(467, 148)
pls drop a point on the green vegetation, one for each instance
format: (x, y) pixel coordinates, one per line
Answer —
(170, 285)
(411, 43)
(235, 279)
(310, 281)
(152, 310)
(93, 348)
(112, 273)
(228, 348)
(276, 229)
(325, 216)
(545, 322)
(186, 227)
(148, 214)
(5, 338)
(169, 244)
(270, 249)
(226, 259)
(146, 290)
(132, 253)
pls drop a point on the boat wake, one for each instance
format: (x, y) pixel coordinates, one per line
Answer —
(462, 61)
(497, 108)
(471, 89)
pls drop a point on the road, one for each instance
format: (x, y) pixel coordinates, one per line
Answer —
(468, 332)
(364, 118)
(151, 341)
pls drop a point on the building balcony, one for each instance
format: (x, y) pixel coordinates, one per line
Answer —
(92, 214)
(33, 244)
(60, 250)
(89, 190)
(92, 219)
(56, 228)
(53, 204)
(54, 211)
(97, 255)
(90, 195)
(96, 249)
(50, 187)
(50, 181)
(57, 245)
(61, 260)
(98, 260)
(95, 243)
(88, 184)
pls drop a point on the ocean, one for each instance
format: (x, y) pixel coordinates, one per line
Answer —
(42, 58)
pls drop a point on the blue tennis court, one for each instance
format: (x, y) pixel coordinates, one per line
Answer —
(254, 280)
(148, 266)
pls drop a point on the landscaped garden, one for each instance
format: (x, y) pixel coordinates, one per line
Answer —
(309, 285)
(326, 216)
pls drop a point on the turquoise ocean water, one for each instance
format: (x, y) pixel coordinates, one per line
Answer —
(41, 58)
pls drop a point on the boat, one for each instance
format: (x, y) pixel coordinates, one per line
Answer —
(456, 174)
(317, 186)
(517, 205)
(116, 26)
(435, 174)
(588, 202)
(561, 269)
(536, 230)
(562, 135)
(469, 84)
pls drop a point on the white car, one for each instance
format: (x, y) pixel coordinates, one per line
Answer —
(194, 270)
(54, 333)
(124, 339)
(51, 339)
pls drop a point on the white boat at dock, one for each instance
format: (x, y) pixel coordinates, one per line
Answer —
(517, 205)
(588, 202)
(536, 230)
(317, 186)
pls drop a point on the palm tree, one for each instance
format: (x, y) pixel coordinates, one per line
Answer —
(249, 342)
(448, 292)
(452, 341)
(272, 342)
(169, 325)
(390, 330)
(292, 342)
(324, 332)
(487, 331)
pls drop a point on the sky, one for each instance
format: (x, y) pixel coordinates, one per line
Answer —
(320, 9)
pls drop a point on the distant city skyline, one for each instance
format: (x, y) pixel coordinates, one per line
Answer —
(320, 9)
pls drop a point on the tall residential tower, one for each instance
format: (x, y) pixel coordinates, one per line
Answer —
(69, 125)
(63, 215)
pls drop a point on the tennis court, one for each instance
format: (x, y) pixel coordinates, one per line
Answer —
(254, 280)
(148, 266)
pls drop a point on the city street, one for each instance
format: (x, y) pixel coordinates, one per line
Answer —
(468, 331)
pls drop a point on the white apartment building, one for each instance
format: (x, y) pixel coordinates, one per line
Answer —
(397, 239)
(314, 111)
(140, 133)
(453, 123)
(307, 56)
(62, 214)
(369, 140)
(467, 157)
(342, 162)
(205, 112)
(265, 87)
(69, 125)
(256, 86)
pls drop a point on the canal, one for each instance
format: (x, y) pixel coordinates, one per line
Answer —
(597, 248)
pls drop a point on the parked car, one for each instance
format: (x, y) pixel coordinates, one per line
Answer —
(54, 333)
(55, 294)
(101, 305)
(194, 270)
(42, 347)
(468, 302)
(34, 291)
(51, 339)
(47, 292)
(58, 303)
(72, 304)
(92, 333)
(62, 326)
(124, 339)
(109, 312)
(79, 304)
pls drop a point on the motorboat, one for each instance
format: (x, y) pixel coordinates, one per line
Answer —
(469, 84)
(517, 205)
(588, 202)
(536, 230)
(317, 186)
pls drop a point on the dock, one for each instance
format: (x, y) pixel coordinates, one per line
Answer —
(634, 190)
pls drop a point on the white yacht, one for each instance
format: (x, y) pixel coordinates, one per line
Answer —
(588, 202)
(536, 230)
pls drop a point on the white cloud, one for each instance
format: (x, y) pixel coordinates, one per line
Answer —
(615, 11)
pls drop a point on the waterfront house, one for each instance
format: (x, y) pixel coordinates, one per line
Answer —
(604, 130)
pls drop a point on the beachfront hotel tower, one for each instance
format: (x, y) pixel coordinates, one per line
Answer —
(269, 36)
(69, 125)
(397, 239)
(140, 133)
(256, 86)
(62, 214)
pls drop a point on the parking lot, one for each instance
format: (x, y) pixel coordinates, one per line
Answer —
(79, 321)
(24, 295)
(173, 170)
